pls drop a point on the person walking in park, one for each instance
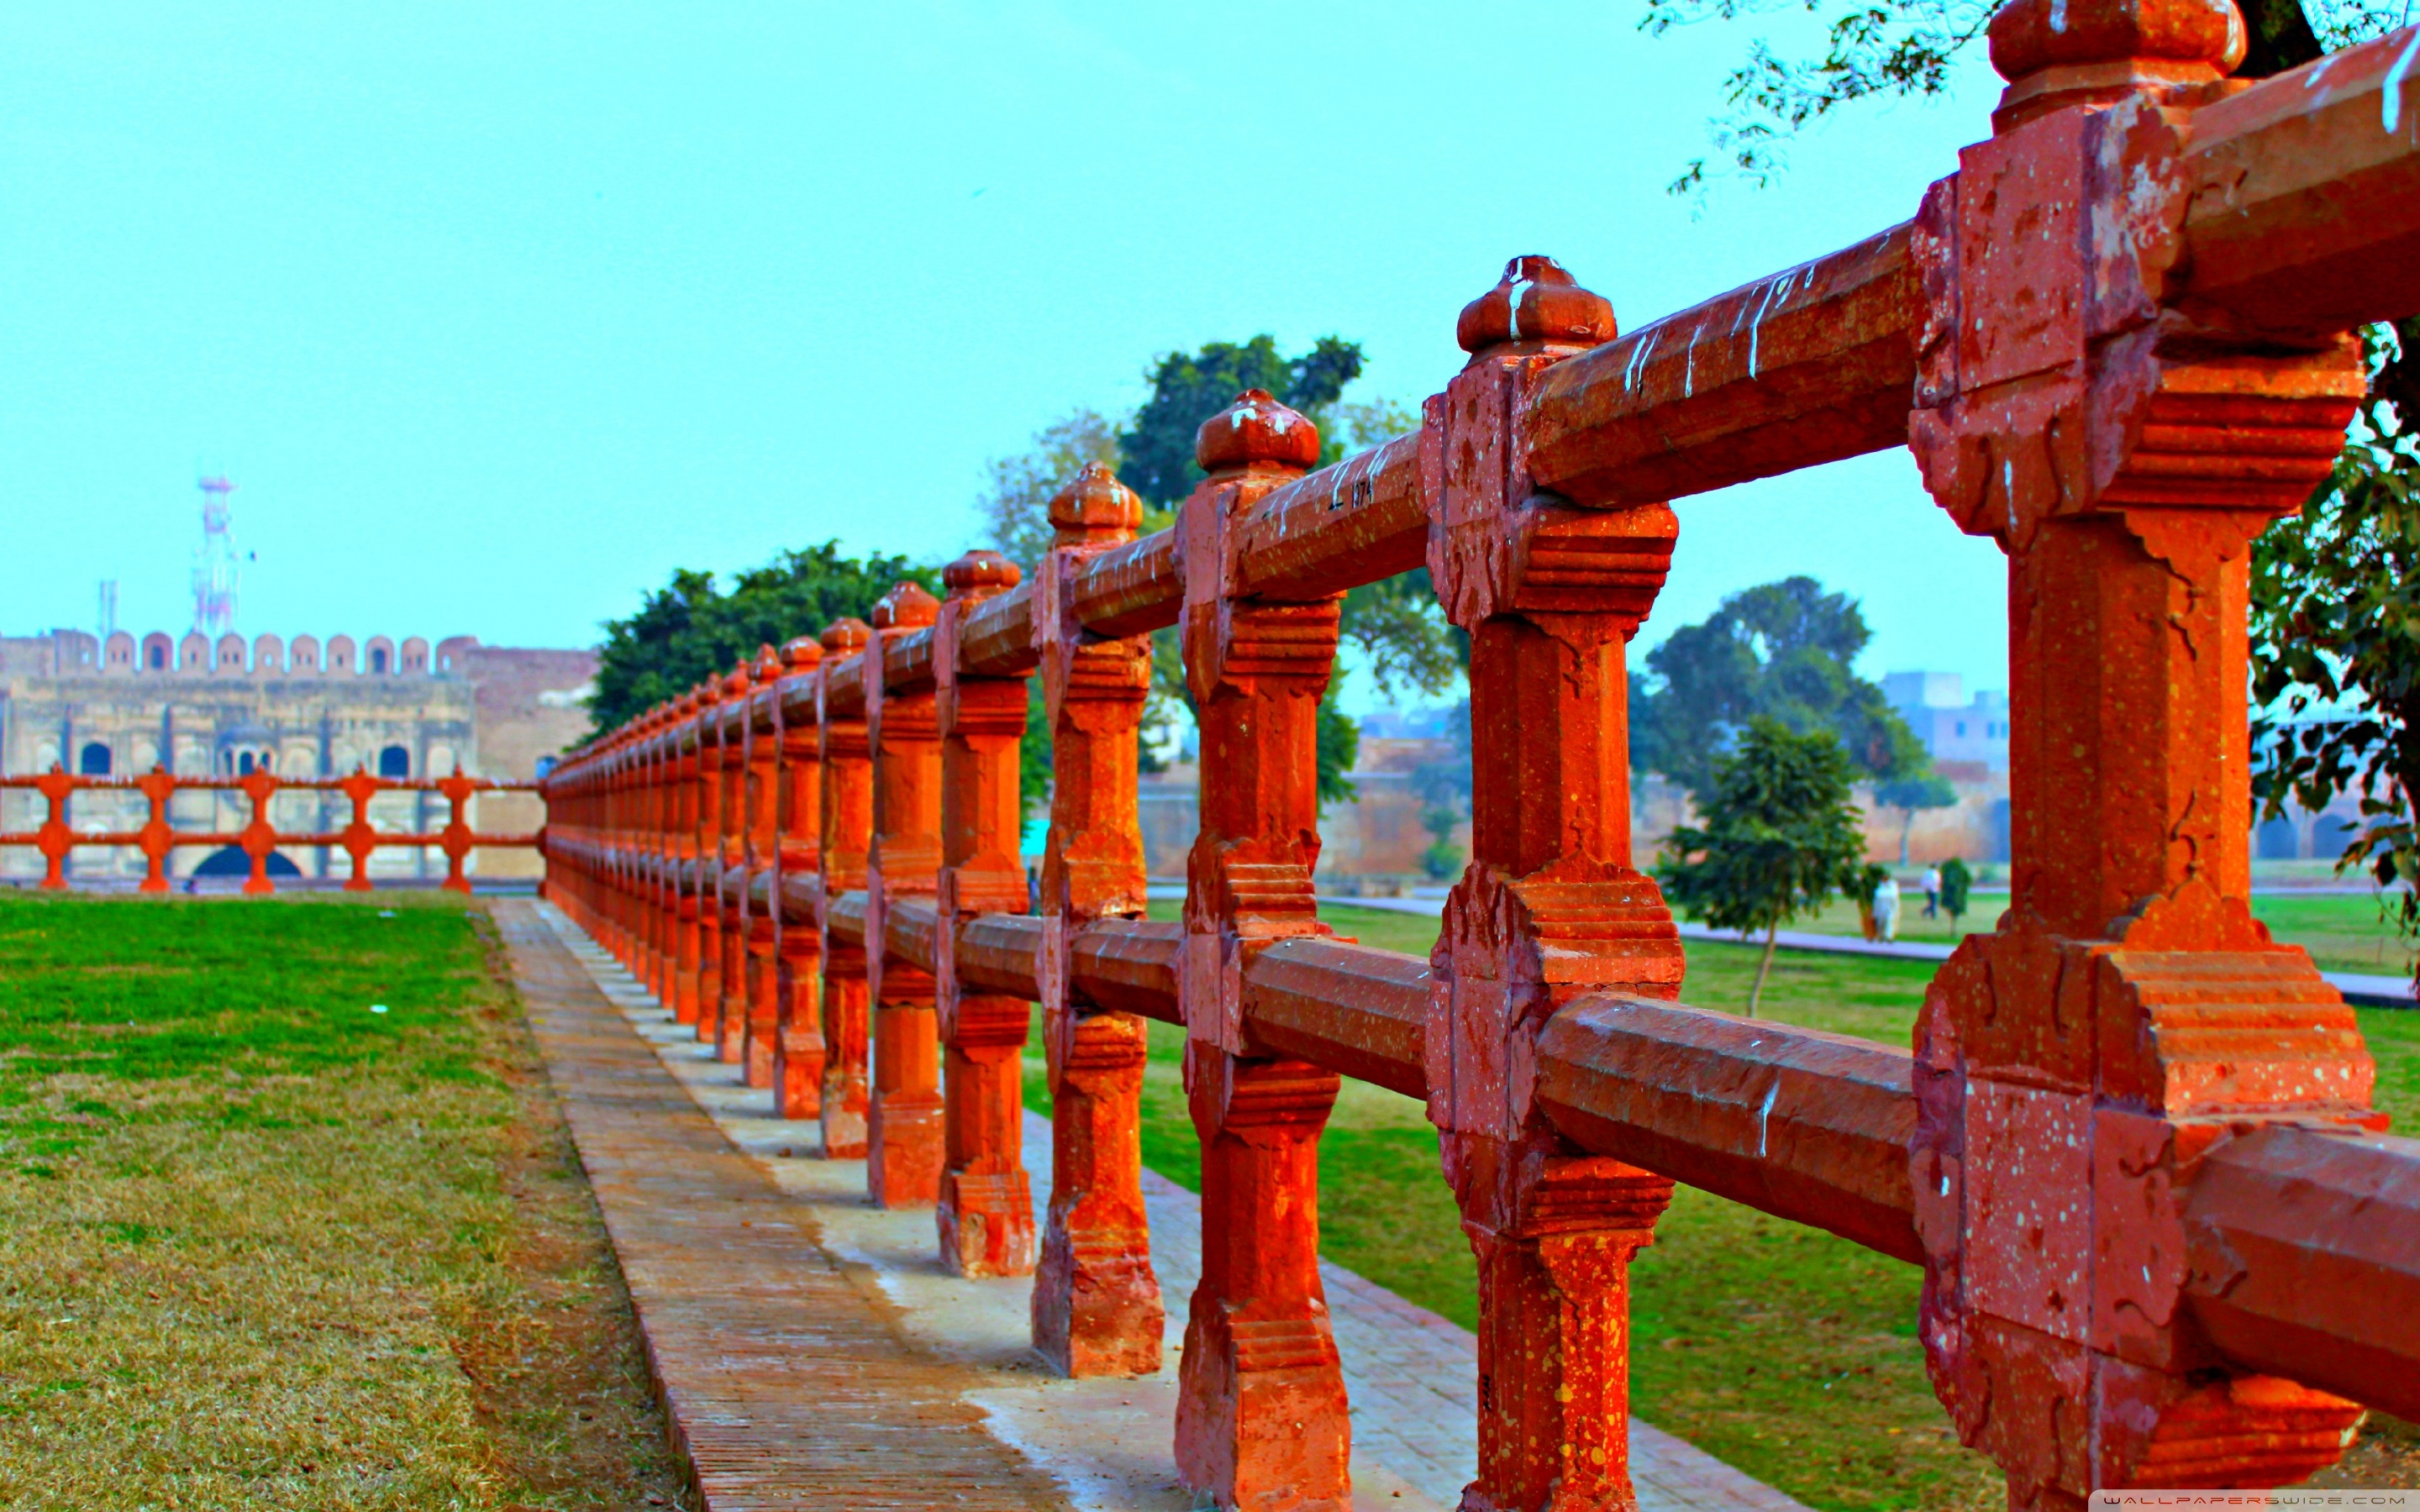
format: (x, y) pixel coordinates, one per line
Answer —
(1886, 908)
(1932, 892)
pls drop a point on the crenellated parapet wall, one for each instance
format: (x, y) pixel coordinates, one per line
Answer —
(267, 656)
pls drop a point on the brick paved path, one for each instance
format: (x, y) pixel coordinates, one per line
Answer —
(1411, 1374)
(787, 1379)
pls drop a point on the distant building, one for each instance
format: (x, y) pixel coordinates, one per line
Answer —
(1952, 727)
(117, 707)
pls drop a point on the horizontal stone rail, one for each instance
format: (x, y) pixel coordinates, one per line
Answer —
(161, 834)
(2166, 1241)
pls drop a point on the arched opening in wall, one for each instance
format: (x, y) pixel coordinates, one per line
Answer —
(394, 762)
(159, 658)
(93, 761)
(230, 861)
(377, 659)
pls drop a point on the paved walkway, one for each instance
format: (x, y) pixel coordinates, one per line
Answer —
(785, 1375)
(1410, 1374)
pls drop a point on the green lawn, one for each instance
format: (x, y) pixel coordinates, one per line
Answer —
(2342, 932)
(1781, 1350)
(289, 1218)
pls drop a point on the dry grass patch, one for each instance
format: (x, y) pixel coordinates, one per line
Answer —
(262, 1247)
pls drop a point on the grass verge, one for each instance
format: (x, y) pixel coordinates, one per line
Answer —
(263, 1244)
(2344, 931)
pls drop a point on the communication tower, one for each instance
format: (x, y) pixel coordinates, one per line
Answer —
(214, 565)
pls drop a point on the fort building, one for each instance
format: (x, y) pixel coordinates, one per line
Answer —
(302, 709)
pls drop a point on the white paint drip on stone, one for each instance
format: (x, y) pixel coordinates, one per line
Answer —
(2390, 95)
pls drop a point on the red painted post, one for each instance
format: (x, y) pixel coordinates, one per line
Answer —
(457, 837)
(799, 1035)
(663, 806)
(904, 1135)
(1550, 907)
(55, 840)
(159, 785)
(259, 837)
(847, 837)
(706, 878)
(1261, 1412)
(613, 861)
(760, 744)
(986, 1215)
(359, 839)
(1097, 1303)
(730, 871)
(664, 889)
(689, 787)
(2129, 1015)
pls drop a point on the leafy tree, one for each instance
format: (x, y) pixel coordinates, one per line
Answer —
(2335, 659)
(1339, 747)
(691, 629)
(1395, 624)
(1911, 794)
(1156, 449)
(1781, 651)
(1014, 508)
(1956, 884)
(1443, 858)
(1861, 891)
(1884, 49)
(1778, 840)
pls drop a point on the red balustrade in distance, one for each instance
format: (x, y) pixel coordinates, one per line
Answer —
(2165, 1239)
(57, 838)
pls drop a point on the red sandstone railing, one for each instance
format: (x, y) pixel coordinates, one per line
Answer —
(57, 839)
(2164, 1239)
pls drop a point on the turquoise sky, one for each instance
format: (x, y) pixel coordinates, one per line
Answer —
(498, 313)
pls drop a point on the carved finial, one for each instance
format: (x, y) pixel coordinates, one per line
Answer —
(841, 637)
(768, 664)
(1536, 304)
(980, 575)
(906, 606)
(2058, 52)
(735, 683)
(1095, 509)
(1255, 429)
(802, 654)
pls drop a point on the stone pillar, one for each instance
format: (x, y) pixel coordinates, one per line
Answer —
(656, 845)
(680, 900)
(2129, 1015)
(705, 876)
(1261, 1412)
(1097, 1303)
(730, 869)
(904, 1135)
(1550, 907)
(848, 836)
(986, 1215)
(763, 745)
(799, 1032)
